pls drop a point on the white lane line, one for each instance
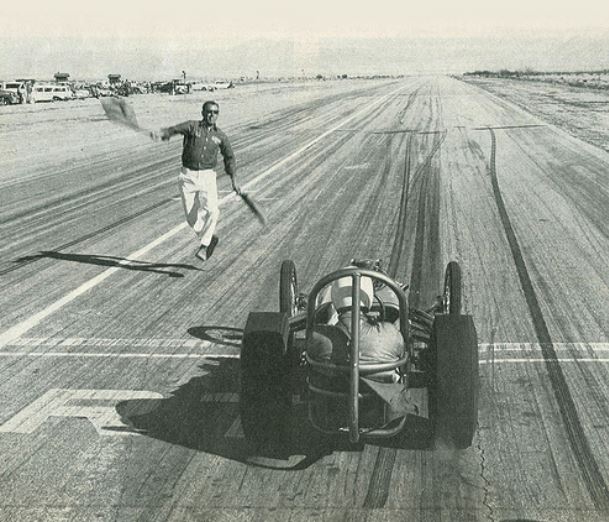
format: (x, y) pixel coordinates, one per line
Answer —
(536, 347)
(521, 361)
(100, 341)
(121, 355)
(113, 355)
(24, 326)
(235, 335)
(529, 352)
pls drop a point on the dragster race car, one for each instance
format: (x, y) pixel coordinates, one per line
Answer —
(354, 351)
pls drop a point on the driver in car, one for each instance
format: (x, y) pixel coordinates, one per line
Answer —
(380, 341)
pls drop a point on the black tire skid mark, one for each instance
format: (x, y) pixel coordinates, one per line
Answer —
(588, 467)
(409, 183)
(375, 193)
(400, 232)
(378, 488)
(411, 97)
(432, 228)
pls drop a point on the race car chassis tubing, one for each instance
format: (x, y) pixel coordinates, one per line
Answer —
(355, 368)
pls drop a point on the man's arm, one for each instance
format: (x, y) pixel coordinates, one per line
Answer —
(167, 132)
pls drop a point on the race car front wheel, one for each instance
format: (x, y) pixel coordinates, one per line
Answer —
(288, 303)
(288, 288)
(456, 389)
(451, 296)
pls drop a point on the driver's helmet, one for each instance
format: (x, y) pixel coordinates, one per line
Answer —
(342, 291)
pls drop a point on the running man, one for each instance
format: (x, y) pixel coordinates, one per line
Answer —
(197, 179)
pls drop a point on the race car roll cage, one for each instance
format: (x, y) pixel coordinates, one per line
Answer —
(439, 362)
(355, 368)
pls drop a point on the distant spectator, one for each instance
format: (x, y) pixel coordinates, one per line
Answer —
(21, 93)
(28, 92)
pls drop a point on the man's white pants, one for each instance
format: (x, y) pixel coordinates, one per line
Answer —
(200, 200)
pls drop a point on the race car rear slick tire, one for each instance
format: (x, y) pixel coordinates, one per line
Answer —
(265, 398)
(452, 289)
(456, 381)
(264, 407)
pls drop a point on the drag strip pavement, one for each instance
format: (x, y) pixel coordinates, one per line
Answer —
(23, 327)
(120, 400)
(588, 466)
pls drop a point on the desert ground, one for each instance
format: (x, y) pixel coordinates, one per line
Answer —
(119, 350)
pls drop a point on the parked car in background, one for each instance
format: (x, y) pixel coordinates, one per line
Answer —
(81, 94)
(18, 88)
(104, 91)
(12, 86)
(8, 97)
(223, 85)
(181, 88)
(202, 86)
(174, 88)
(62, 92)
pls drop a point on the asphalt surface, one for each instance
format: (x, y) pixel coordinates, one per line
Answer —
(119, 349)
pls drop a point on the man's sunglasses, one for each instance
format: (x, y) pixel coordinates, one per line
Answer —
(216, 111)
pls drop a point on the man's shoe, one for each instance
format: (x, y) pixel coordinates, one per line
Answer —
(212, 245)
(202, 253)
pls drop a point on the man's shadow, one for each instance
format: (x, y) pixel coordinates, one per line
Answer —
(111, 261)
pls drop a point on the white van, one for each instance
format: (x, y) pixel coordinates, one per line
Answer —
(42, 92)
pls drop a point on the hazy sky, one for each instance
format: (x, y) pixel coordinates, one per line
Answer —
(143, 38)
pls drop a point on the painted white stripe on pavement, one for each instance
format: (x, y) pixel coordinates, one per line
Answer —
(100, 341)
(21, 328)
(235, 335)
(536, 347)
(521, 361)
(531, 349)
(120, 355)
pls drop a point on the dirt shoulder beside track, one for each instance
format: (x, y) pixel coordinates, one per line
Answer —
(582, 112)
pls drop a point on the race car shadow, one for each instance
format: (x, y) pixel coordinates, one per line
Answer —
(199, 415)
(110, 261)
(203, 415)
(224, 335)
